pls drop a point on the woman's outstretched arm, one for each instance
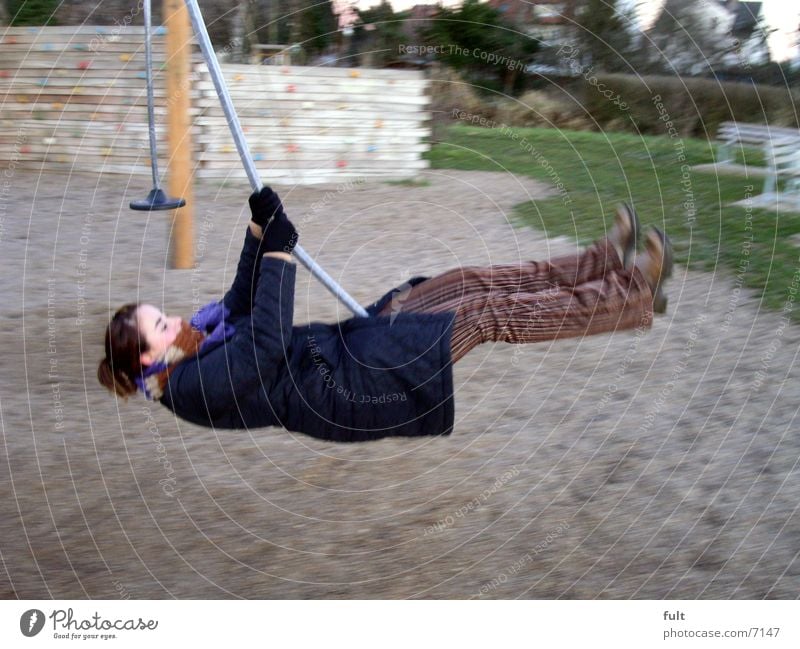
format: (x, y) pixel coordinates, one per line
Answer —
(264, 205)
(240, 296)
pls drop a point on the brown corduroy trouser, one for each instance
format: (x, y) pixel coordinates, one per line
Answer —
(573, 295)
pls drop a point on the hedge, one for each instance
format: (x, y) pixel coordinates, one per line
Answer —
(696, 107)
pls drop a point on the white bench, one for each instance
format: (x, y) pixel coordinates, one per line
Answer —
(731, 134)
(783, 158)
(781, 147)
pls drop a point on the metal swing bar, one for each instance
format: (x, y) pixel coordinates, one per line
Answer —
(156, 200)
(247, 159)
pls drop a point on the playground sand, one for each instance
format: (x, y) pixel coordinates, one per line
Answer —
(659, 464)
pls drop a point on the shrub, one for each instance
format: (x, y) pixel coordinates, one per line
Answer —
(695, 106)
(540, 108)
(33, 12)
(449, 92)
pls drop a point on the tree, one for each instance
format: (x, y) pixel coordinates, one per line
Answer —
(33, 12)
(238, 30)
(690, 37)
(603, 35)
(474, 39)
(271, 20)
(379, 35)
(316, 26)
(310, 24)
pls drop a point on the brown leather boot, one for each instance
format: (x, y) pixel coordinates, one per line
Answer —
(656, 266)
(625, 233)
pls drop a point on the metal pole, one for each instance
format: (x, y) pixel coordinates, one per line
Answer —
(244, 152)
(151, 114)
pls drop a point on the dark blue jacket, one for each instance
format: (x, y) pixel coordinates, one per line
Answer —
(359, 379)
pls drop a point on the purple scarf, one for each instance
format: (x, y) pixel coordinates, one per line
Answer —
(210, 322)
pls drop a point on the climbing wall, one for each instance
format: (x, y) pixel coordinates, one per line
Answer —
(307, 125)
(74, 98)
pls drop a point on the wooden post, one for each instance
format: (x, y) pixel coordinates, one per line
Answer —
(179, 90)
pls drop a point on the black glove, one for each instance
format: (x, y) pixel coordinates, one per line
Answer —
(267, 210)
(264, 205)
(279, 235)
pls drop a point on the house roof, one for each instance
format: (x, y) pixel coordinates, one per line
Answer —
(514, 10)
(531, 12)
(746, 16)
(421, 11)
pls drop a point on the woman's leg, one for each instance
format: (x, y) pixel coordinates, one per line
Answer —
(622, 299)
(566, 271)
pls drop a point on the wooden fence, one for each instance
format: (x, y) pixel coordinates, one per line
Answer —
(74, 98)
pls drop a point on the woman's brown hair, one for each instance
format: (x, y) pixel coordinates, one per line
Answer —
(124, 346)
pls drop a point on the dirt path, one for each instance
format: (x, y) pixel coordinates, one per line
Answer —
(649, 466)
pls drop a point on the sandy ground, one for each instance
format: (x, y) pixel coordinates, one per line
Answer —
(636, 465)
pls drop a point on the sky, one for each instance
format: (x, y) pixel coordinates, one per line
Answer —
(781, 14)
(785, 15)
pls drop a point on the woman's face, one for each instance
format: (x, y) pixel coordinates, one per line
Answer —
(158, 330)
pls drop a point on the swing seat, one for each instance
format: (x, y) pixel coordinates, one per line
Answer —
(157, 200)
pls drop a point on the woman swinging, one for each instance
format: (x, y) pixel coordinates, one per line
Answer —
(240, 362)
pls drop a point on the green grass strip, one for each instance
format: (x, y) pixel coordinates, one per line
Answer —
(592, 172)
